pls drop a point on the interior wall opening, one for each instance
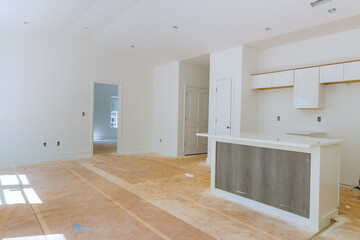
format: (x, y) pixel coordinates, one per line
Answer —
(106, 118)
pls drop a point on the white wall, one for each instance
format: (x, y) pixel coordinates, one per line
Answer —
(102, 111)
(45, 85)
(248, 97)
(166, 103)
(193, 76)
(340, 118)
(226, 64)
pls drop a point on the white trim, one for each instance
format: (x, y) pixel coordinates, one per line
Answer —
(263, 208)
(180, 154)
(136, 150)
(165, 152)
(221, 78)
(44, 158)
(92, 103)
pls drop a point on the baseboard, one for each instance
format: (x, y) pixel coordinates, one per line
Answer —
(135, 151)
(290, 218)
(165, 152)
(180, 154)
(44, 157)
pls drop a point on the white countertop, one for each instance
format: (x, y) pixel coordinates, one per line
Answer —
(305, 133)
(277, 139)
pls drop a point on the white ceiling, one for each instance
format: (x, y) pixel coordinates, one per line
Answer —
(204, 25)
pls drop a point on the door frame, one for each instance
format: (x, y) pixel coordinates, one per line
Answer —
(184, 119)
(231, 101)
(92, 105)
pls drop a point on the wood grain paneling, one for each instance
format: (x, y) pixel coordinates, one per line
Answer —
(274, 177)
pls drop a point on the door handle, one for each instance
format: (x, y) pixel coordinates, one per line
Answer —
(228, 127)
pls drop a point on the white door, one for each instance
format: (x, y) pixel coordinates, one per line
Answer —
(196, 120)
(223, 106)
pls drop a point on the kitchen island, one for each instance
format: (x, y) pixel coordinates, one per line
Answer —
(295, 178)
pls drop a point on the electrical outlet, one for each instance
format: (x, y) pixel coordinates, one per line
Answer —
(278, 118)
(44, 144)
(58, 143)
(83, 113)
(319, 119)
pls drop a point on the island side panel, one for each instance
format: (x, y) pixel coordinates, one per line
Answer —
(278, 178)
(329, 184)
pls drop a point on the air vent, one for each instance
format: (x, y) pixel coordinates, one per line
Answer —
(319, 2)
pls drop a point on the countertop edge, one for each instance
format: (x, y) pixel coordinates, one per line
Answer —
(302, 145)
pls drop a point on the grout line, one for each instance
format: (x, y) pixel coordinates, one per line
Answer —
(160, 234)
(196, 202)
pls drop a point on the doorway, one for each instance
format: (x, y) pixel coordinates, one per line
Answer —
(196, 120)
(106, 118)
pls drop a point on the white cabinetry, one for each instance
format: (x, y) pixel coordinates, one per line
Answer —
(352, 71)
(273, 80)
(332, 73)
(283, 79)
(308, 93)
(262, 81)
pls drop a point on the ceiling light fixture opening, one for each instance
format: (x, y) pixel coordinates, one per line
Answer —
(86, 28)
(26, 22)
(268, 29)
(133, 46)
(332, 10)
(175, 27)
(319, 3)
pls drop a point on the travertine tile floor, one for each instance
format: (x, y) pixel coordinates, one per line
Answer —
(139, 197)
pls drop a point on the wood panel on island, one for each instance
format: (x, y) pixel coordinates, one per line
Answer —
(291, 177)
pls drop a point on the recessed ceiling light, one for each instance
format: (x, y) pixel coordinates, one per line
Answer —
(133, 46)
(175, 27)
(86, 28)
(268, 29)
(332, 10)
(26, 22)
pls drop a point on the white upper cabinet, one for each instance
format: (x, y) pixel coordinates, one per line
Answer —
(332, 73)
(261, 81)
(352, 71)
(283, 79)
(273, 80)
(308, 93)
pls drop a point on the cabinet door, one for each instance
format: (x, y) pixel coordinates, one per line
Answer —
(261, 81)
(332, 73)
(283, 79)
(352, 71)
(307, 90)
